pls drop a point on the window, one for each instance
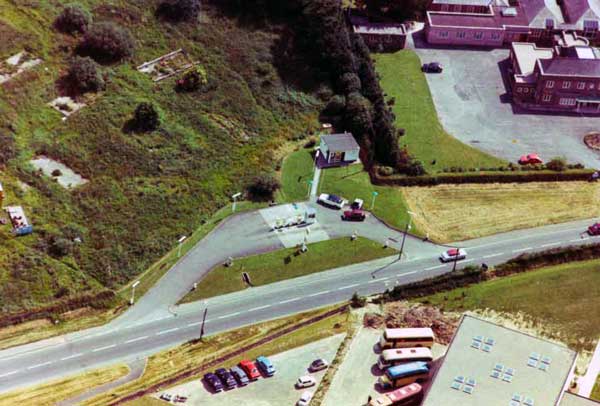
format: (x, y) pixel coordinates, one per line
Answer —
(580, 85)
(547, 97)
(519, 89)
(566, 84)
(478, 35)
(461, 34)
(567, 101)
(495, 35)
(525, 90)
(550, 84)
(443, 34)
(592, 86)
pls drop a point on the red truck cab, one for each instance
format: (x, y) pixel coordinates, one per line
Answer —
(594, 229)
(354, 215)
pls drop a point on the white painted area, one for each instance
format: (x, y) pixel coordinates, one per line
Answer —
(295, 235)
(68, 178)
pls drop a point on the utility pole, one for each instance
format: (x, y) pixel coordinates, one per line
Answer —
(203, 322)
(403, 240)
(132, 300)
(234, 197)
(455, 260)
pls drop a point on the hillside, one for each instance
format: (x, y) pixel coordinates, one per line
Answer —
(144, 190)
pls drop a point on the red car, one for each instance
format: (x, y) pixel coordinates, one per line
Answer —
(354, 215)
(594, 229)
(250, 369)
(531, 159)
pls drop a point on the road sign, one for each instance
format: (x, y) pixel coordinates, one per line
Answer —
(246, 278)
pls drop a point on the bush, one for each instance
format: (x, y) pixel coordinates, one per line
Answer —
(84, 75)
(335, 106)
(73, 18)
(312, 141)
(557, 164)
(179, 10)
(358, 301)
(60, 247)
(415, 168)
(107, 42)
(349, 82)
(193, 80)
(263, 187)
(57, 172)
(146, 117)
(385, 171)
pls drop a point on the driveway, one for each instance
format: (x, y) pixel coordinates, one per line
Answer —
(276, 391)
(473, 105)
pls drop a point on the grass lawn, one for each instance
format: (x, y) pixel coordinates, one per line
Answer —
(401, 78)
(562, 301)
(297, 170)
(458, 212)
(596, 392)
(284, 264)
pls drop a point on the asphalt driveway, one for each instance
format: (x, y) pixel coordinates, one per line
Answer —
(473, 105)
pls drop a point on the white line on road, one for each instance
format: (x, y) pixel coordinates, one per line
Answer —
(468, 260)
(434, 267)
(71, 357)
(405, 274)
(494, 255)
(228, 315)
(40, 365)
(259, 308)
(167, 331)
(133, 340)
(197, 323)
(8, 374)
(104, 348)
(290, 300)
(349, 286)
(549, 244)
(319, 293)
(523, 249)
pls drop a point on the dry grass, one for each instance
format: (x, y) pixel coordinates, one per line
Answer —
(459, 212)
(52, 392)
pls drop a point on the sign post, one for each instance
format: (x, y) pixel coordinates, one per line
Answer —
(132, 300)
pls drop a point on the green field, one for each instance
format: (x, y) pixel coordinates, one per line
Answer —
(297, 170)
(402, 79)
(596, 392)
(286, 264)
(562, 301)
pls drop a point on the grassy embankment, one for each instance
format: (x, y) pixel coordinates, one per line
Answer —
(560, 301)
(285, 264)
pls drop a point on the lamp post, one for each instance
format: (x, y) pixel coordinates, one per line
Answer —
(235, 197)
(455, 259)
(374, 194)
(310, 183)
(180, 241)
(132, 300)
(408, 227)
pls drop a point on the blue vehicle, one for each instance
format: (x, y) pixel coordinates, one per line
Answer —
(213, 382)
(405, 374)
(265, 366)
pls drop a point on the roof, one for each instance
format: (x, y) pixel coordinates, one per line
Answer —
(392, 333)
(504, 349)
(340, 142)
(570, 399)
(527, 54)
(464, 2)
(575, 10)
(380, 29)
(570, 67)
(410, 368)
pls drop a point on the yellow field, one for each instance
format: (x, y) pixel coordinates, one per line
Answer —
(458, 212)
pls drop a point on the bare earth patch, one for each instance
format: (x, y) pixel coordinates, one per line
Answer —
(459, 212)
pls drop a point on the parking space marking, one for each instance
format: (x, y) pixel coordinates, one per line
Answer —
(290, 300)
(167, 331)
(104, 348)
(133, 340)
(40, 365)
(71, 357)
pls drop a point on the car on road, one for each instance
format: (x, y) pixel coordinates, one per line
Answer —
(226, 377)
(304, 399)
(265, 365)
(354, 215)
(166, 397)
(453, 254)
(333, 201)
(306, 381)
(318, 365)
(530, 159)
(239, 375)
(432, 67)
(213, 382)
(250, 369)
(594, 229)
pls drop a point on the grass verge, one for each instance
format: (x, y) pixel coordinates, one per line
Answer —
(297, 170)
(286, 264)
(402, 79)
(559, 300)
(596, 392)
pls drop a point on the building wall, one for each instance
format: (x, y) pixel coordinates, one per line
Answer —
(352, 155)
(459, 8)
(458, 36)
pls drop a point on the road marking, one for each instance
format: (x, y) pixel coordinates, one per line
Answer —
(71, 357)
(578, 239)
(194, 324)
(494, 255)
(133, 340)
(228, 315)
(549, 244)
(290, 300)
(349, 286)
(40, 365)
(258, 308)
(405, 274)
(8, 374)
(467, 260)
(523, 249)
(104, 348)
(167, 331)
(319, 293)
(433, 267)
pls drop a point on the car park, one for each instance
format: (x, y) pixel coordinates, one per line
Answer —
(354, 215)
(453, 254)
(318, 365)
(594, 229)
(250, 369)
(213, 382)
(226, 377)
(239, 375)
(306, 381)
(333, 201)
(265, 365)
(432, 67)
(304, 399)
(530, 159)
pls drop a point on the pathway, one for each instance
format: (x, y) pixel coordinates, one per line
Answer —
(587, 382)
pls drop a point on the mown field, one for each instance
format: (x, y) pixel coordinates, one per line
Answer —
(144, 190)
(458, 212)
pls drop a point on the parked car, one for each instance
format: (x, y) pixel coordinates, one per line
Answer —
(180, 399)
(354, 215)
(332, 201)
(318, 365)
(304, 399)
(306, 381)
(225, 377)
(453, 254)
(432, 67)
(357, 204)
(166, 397)
(250, 369)
(594, 229)
(265, 365)
(240, 376)
(530, 159)
(213, 381)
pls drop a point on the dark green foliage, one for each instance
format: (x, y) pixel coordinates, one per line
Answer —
(146, 117)
(385, 171)
(179, 10)
(357, 117)
(399, 10)
(73, 18)
(60, 247)
(349, 83)
(107, 42)
(8, 149)
(84, 75)
(263, 187)
(335, 106)
(415, 168)
(357, 301)
(557, 164)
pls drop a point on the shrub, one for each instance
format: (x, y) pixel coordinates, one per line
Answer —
(415, 168)
(335, 106)
(312, 141)
(179, 10)
(385, 170)
(73, 18)
(84, 75)
(60, 247)
(358, 301)
(56, 172)
(107, 42)
(349, 82)
(263, 187)
(146, 117)
(400, 132)
(193, 80)
(557, 164)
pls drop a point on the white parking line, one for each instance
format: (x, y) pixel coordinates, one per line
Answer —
(259, 308)
(71, 357)
(494, 255)
(349, 286)
(549, 244)
(133, 340)
(40, 365)
(167, 331)
(8, 374)
(104, 348)
(319, 293)
(523, 249)
(290, 300)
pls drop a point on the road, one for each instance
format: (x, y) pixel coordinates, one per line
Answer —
(154, 323)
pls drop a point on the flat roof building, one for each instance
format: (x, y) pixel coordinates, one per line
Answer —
(570, 399)
(338, 150)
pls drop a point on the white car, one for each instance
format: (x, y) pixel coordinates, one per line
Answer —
(304, 399)
(306, 381)
(332, 201)
(454, 254)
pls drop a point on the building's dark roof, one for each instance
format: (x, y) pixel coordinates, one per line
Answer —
(464, 2)
(571, 67)
(340, 142)
(575, 9)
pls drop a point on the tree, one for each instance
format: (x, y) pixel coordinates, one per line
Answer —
(107, 42)
(358, 115)
(193, 80)
(85, 75)
(179, 10)
(146, 117)
(263, 187)
(557, 164)
(349, 83)
(73, 18)
(335, 106)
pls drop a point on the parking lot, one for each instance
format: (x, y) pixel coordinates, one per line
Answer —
(473, 105)
(275, 391)
(293, 236)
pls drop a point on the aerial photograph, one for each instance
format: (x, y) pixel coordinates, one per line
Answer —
(300, 202)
